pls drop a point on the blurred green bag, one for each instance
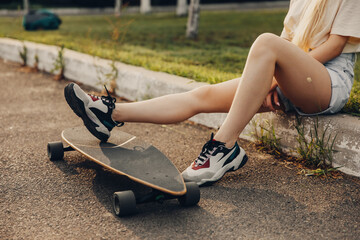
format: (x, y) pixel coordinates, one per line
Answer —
(41, 19)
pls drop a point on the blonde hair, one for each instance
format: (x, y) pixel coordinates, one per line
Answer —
(310, 24)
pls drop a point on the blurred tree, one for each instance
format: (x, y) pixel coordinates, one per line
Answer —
(26, 6)
(145, 6)
(193, 19)
(117, 7)
(181, 8)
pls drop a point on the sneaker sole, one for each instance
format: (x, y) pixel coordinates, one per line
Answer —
(79, 110)
(221, 173)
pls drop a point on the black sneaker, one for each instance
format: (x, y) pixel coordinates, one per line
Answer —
(213, 162)
(94, 111)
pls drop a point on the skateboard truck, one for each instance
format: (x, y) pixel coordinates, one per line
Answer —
(124, 203)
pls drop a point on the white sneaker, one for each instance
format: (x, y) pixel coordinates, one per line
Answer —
(213, 162)
(93, 110)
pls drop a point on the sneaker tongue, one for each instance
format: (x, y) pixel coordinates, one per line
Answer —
(213, 140)
(212, 137)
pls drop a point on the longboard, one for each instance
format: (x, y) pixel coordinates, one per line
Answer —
(128, 155)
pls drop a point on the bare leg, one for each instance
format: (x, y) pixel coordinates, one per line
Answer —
(178, 107)
(175, 108)
(272, 56)
(242, 98)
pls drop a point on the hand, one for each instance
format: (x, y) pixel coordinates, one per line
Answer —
(272, 100)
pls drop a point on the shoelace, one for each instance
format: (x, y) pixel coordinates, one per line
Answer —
(110, 102)
(207, 150)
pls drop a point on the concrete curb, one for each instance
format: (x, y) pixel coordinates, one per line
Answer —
(136, 83)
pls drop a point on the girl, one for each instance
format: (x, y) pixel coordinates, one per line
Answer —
(308, 69)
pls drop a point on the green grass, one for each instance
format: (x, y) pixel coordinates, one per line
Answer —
(157, 42)
(353, 105)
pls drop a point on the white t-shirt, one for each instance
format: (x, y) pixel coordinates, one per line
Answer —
(342, 17)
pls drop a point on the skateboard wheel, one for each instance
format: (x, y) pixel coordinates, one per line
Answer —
(124, 203)
(55, 151)
(192, 196)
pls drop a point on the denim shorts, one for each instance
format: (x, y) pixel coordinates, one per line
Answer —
(341, 71)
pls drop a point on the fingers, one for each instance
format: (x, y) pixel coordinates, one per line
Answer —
(276, 98)
(271, 101)
(268, 102)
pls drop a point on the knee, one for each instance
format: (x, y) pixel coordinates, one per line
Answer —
(201, 93)
(199, 98)
(266, 43)
(267, 39)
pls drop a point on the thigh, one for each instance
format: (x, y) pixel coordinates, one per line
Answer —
(303, 80)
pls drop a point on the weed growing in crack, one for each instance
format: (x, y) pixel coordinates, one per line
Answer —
(316, 150)
(266, 138)
(59, 64)
(23, 55)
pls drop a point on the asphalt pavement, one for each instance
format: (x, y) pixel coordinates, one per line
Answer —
(71, 199)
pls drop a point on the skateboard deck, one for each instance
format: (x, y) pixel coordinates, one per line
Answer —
(127, 155)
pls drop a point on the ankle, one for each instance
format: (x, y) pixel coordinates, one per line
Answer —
(116, 114)
(229, 143)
